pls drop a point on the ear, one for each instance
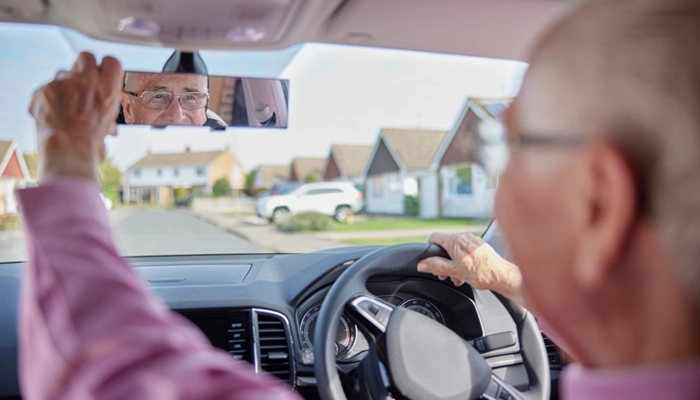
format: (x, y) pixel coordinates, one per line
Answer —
(610, 193)
(127, 108)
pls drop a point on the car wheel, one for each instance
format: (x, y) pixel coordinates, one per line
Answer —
(342, 213)
(280, 215)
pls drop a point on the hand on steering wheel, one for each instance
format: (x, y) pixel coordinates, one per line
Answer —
(411, 356)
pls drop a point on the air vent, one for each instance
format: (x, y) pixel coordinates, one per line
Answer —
(274, 344)
(553, 354)
(228, 330)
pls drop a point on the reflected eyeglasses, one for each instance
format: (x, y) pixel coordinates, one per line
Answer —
(161, 100)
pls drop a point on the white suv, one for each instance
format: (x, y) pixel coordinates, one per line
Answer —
(336, 199)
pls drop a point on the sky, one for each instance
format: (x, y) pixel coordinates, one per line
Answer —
(338, 94)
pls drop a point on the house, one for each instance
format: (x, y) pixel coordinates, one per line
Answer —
(346, 163)
(32, 163)
(153, 178)
(464, 189)
(399, 160)
(267, 176)
(306, 169)
(13, 175)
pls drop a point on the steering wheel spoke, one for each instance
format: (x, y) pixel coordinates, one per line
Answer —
(498, 389)
(371, 314)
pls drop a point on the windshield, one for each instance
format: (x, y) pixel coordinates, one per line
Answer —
(384, 123)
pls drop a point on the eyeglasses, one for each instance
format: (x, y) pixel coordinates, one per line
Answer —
(493, 146)
(161, 100)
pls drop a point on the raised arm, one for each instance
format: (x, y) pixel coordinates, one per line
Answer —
(89, 328)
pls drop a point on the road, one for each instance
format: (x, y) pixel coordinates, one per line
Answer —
(142, 232)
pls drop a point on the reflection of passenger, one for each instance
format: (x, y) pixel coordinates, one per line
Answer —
(164, 99)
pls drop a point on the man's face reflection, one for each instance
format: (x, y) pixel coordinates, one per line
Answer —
(146, 96)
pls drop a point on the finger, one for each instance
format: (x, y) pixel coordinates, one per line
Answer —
(436, 266)
(34, 104)
(442, 277)
(112, 74)
(457, 282)
(85, 62)
(444, 240)
(62, 75)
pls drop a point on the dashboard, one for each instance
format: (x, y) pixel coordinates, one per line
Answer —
(263, 309)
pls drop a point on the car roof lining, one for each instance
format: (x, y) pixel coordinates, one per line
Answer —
(486, 28)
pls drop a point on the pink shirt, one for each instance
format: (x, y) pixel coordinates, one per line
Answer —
(679, 381)
(90, 329)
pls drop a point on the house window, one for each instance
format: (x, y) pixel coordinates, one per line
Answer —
(134, 194)
(159, 172)
(394, 184)
(460, 181)
(176, 171)
(136, 173)
(201, 171)
(378, 186)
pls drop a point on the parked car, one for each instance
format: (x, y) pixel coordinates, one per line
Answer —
(285, 188)
(186, 202)
(336, 199)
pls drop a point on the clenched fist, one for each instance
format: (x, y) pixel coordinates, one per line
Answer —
(74, 113)
(474, 262)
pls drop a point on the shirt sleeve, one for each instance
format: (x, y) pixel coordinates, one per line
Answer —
(90, 329)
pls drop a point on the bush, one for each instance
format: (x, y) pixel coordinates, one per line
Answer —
(221, 187)
(181, 194)
(308, 221)
(411, 206)
(9, 222)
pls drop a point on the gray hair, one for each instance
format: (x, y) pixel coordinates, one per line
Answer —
(637, 65)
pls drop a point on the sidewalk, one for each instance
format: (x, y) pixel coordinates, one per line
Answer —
(398, 233)
(267, 236)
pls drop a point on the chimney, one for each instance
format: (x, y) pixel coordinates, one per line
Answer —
(187, 149)
(148, 151)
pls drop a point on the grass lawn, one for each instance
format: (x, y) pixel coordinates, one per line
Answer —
(375, 224)
(385, 241)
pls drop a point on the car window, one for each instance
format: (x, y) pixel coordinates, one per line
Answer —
(313, 192)
(380, 120)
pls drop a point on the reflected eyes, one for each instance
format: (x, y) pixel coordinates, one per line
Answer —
(161, 100)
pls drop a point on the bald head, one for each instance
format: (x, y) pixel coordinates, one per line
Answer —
(629, 70)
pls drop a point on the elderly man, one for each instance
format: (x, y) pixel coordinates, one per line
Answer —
(165, 99)
(600, 205)
(600, 202)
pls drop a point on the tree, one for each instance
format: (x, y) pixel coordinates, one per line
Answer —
(249, 181)
(221, 187)
(311, 178)
(110, 180)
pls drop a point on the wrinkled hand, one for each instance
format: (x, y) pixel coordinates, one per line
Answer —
(475, 262)
(74, 113)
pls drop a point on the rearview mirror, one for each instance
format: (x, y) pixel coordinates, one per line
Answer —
(165, 99)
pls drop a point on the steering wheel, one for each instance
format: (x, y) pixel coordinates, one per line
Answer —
(412, 356)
